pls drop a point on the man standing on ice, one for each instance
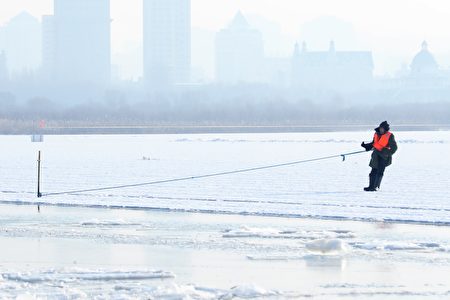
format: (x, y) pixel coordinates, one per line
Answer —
(383, 146)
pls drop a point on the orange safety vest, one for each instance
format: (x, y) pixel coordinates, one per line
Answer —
(381, 142)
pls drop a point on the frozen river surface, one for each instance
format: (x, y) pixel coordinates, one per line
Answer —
(87, 253)
(415, 188)
(219, 237)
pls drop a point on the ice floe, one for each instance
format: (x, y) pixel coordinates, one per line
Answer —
(67, 275)
(127, 290)
(174, 291)
(254, 232)
(327, 247)
(399, 246)
(249, 291)
(97, 222)
(245, 231)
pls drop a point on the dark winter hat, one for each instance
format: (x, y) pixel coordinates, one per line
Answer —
(385, 125)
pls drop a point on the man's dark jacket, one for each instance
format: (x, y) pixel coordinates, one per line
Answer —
(385, 154)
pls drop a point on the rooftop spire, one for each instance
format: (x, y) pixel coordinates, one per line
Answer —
(239, 21)
(332, 46)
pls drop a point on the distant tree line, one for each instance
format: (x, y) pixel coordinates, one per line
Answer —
(249, 105)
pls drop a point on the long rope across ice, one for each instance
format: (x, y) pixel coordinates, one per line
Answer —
(202, 176)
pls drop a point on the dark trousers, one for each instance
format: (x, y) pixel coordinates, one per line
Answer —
(376, 175)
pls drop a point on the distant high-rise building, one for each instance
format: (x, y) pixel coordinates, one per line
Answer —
(334, 70)
(239, 53)
(21, 40)
(78, 38)
(3, 67)
(167, 42)
(48, 47)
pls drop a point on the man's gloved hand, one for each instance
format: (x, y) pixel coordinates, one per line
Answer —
(366, 146)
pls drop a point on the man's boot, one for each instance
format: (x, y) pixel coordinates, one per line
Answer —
(378, 181)
(372, 183)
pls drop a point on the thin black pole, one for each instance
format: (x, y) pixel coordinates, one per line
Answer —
(39, 194)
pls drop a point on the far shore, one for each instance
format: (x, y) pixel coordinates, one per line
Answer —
(204, 129)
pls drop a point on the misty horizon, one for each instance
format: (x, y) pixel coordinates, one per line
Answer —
(170, 62)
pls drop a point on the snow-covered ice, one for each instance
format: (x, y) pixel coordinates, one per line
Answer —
(296, 232)
(415, 188)
(54, 253)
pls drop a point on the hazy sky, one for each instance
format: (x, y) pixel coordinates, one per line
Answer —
(393, 29)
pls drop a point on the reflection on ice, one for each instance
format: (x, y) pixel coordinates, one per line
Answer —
(326, 261)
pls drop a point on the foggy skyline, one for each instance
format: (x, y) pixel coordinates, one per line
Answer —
(363, 25)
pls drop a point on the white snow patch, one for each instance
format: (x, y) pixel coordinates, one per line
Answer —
(248, 291)
(327, 247)
(245, 231)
